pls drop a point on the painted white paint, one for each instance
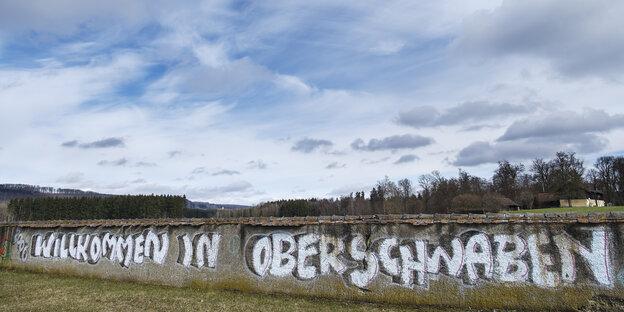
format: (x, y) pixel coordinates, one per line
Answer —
(409, 266)
(544, 259)
(510, 266)
(91, 247)
(283, 262)
(358, 251)
(305, 250)
(540, 273)
(330, 250)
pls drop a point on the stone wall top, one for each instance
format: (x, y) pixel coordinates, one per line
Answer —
(419, 219)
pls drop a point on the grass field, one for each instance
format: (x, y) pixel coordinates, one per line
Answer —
(25, 291)
(573, 209)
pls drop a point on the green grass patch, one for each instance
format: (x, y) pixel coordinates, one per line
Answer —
(26, 291)
(572, 209)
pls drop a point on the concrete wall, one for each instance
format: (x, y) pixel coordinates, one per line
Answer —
(494, 261)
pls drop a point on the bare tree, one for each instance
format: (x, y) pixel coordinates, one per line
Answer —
(505, 179)
(568, 176)
(425, 182)
(405, 187)
(542, 173)
(605, 171)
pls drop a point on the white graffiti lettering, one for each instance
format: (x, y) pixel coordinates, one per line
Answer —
(545, 258)
(329, 259)
(540, 261)
(202, 251)
(357, 250)
(510, 267)
(91, 248)
(596, 256)
(305, 250)
(22, 247)
(283, 262)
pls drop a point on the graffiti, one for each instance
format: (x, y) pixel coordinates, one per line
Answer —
(234, 244)
(202, 251)
(473, 257)
(22, 247)
(90, 248)
(5, 245)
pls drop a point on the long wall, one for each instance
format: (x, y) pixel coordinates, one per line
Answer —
(486, 261)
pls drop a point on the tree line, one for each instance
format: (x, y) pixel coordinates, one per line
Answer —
(540, 185)
(10, 191)
(113, 207)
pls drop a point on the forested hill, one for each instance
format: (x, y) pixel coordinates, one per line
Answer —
(33, 202)
(11, 191)
(110, 207)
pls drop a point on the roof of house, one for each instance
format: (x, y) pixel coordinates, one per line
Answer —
(547, 197)
(508, 202)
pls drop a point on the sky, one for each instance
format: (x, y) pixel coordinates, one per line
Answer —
(241, 102)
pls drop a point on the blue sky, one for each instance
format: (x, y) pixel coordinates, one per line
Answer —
(247, 101)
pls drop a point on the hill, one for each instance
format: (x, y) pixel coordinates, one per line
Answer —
(11, 191)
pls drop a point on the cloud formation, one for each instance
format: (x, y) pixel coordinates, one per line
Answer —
(104, 143)
(576, 37)
(428, 116)
(145, 164)
(558, 124)
(225, 172)
(117, 163)
(406, 159)
(308, 145)
(195, 88)
(234, 187)
(482, 152)
(395, 142)
(71, 178)
(543, 136)
(335, 165)
(256, 164)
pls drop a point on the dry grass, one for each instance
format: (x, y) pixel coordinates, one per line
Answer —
(25, 291)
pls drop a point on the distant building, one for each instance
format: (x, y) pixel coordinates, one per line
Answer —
(593, 199)
(587, 202)
(509, 204)
(547, 200)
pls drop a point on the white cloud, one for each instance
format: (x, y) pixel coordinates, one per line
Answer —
(395, 142)
(557, 124)
(388, 47)
(71, 178)
(577, 37)
(66, 17)
(293, 84)
(213, 85)
(307, 145)
(212, 55)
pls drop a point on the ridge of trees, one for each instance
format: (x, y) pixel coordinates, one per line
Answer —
(540, 185)
(113, 207)
(11, 191)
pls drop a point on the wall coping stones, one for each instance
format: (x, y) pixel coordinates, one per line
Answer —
(419, 219)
